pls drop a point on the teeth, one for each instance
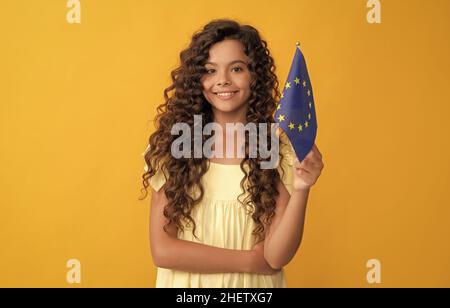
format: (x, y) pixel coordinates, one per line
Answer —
(225, 94)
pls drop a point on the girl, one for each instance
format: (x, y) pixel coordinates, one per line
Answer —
(224, 222)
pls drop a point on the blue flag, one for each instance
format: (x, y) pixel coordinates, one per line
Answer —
(295, 112)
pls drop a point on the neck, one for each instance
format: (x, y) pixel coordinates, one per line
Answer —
(222, 118)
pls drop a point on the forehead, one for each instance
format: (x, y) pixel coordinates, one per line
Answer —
(227, 51)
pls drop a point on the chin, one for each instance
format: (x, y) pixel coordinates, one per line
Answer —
(223, 107)
(227, 105)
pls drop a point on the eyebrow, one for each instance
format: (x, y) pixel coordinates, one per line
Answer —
(231, 63)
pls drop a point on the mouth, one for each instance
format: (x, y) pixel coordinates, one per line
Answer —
(225, 95)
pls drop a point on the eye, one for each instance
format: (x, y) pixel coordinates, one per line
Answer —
(209, 71)
(238, 69)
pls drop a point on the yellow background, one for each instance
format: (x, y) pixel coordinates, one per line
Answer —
(77, 103)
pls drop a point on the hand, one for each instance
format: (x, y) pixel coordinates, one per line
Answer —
(308, 170)
(259, 264)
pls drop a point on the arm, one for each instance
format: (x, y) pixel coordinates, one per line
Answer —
(286, 230)
(285, 233)
(170, 252)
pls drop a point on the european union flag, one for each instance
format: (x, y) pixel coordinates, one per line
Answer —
(295, 112)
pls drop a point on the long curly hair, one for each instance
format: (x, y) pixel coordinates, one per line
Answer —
(184, 98)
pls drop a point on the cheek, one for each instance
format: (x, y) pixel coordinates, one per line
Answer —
(207, 85)
(244, 82)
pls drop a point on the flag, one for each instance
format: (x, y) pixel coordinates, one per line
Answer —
(295, 112)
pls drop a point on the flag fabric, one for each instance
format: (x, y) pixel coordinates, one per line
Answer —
(295, 112)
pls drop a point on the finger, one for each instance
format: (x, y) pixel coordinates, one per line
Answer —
(312, 159)
(316, 162)
(299, 165)
(301, 172)
(309, 175)
(311, 165)
(306, 166)
(306, 176)
(306, 163)
(314, 152)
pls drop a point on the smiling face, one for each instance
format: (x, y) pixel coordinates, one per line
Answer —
(226, 84)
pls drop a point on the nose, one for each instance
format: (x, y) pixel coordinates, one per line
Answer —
(223, 79)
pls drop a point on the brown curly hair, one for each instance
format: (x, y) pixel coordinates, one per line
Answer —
(187, 99)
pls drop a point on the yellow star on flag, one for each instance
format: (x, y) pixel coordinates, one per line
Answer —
(292, 112)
